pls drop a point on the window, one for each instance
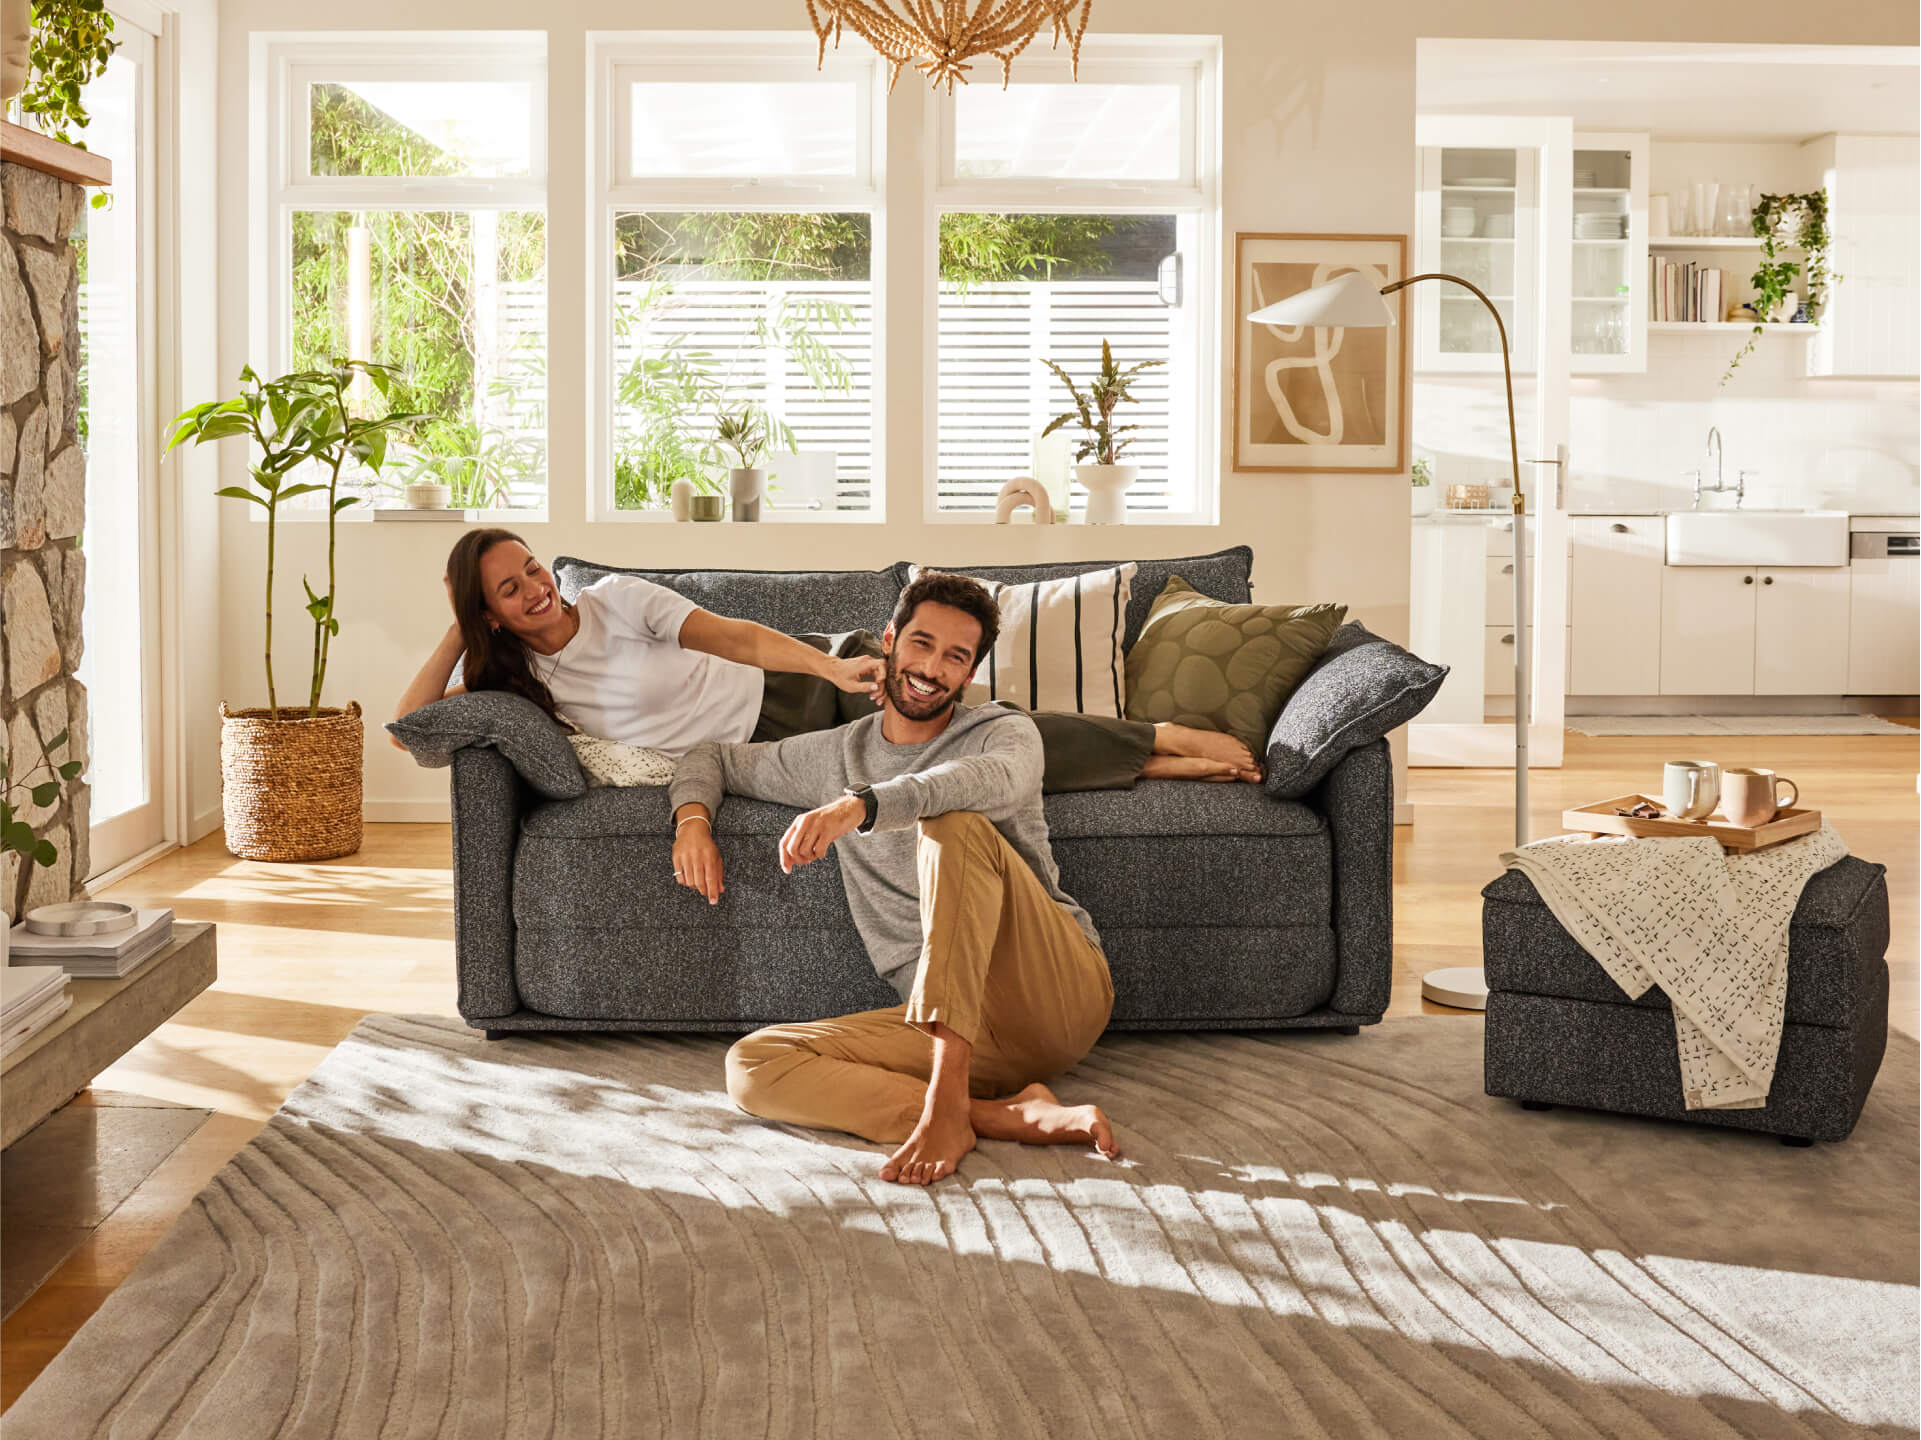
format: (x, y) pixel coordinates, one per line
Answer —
(406, 209)
(1069, 214)
(738, 224)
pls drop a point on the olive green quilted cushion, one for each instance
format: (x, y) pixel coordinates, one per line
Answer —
(1223, 667)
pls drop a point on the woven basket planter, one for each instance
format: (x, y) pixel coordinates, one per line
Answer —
(291, 787)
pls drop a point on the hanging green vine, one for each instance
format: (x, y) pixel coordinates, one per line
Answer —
(1806, 218)
(71, 42)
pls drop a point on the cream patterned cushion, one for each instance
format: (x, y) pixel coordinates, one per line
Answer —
(608, 762)
(1060, 644)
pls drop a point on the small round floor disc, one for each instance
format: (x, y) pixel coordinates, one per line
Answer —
(1464, 987)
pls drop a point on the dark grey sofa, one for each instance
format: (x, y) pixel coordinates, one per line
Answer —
(1219, 905)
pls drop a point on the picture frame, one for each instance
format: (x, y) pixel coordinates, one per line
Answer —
(1317, 399)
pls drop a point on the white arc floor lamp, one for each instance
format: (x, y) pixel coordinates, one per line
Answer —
(1354, 301)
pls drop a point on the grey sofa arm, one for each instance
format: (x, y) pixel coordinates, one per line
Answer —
(488, 797)
(1357, 799)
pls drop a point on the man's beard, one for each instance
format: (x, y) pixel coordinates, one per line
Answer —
(911, 705)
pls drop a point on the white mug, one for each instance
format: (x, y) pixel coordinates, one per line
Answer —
(1690, 789)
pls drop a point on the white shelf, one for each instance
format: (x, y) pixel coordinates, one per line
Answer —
(1726, 326)
(1579, 241)
(1477, 239)
(1481, 189)
(1602, 299)
(1709, 242)
(1600, 190)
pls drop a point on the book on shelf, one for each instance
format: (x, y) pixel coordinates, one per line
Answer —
(1684, 292)
(92, 957)
(32, 997)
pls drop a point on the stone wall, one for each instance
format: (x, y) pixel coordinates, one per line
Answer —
(43, 491)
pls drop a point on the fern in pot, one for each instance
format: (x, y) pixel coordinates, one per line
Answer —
(290, 774)
(1106, 480)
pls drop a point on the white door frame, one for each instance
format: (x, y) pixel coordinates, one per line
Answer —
(1491, 744)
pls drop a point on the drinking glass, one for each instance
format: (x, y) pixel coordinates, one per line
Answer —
(1707, 194)
(1735, 210)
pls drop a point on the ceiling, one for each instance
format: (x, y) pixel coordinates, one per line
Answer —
(1749, 92)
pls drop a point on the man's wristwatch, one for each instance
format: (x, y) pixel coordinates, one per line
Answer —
(870, 803)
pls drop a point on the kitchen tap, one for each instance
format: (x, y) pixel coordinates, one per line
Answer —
(1714, 453)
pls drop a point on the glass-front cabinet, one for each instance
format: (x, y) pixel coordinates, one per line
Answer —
(1608, 270)
(1480, 216)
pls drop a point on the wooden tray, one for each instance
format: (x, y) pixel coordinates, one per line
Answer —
(1600, 819)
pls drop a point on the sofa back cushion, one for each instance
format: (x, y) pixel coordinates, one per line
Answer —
(1224, 575)
(795, 602)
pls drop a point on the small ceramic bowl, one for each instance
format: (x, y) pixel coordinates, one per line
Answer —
(707, 507)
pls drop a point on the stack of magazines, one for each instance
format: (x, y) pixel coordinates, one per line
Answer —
(96, 957)
(32, 997)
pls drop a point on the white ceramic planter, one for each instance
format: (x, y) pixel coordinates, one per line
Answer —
(429, 495)
(1106, 487)
(681, 496)
(1422, 498)
(746, 488)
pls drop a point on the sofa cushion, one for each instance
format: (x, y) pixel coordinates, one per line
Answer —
(1225, 575)
(519, 729)
(1836, 944)
(1222, 667)
(795, 602)
(1361, 688)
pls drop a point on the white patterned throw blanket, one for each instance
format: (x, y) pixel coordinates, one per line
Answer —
(1709, 926)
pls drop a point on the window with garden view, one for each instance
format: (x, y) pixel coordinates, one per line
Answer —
(415, 235)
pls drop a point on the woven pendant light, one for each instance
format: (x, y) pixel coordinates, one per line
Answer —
(940, 37)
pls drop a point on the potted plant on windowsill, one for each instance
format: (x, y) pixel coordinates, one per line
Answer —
(1422, 482)
(744, 434)
(1106, 480)
(290, 778)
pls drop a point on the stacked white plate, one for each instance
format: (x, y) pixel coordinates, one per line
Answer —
(1600, 225)
(1457, 221)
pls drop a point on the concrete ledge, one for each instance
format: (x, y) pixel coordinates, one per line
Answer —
(108, 1018)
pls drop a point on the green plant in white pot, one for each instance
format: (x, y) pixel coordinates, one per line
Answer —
(743, 434)
(1106, 480)
(290, 778)
(1421, 486)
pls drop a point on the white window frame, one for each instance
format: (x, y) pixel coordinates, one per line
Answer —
(280, 156)
(615, 60)
(1192, 62)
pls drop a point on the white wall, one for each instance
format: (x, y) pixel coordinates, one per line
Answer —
(1318, 125)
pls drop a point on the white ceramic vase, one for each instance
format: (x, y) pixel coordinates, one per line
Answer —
(745, 488)
(681, 496)
(429, 495)
(1106, 487)
(1423, 498)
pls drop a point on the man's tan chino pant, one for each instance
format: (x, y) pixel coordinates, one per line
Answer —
(1002, 965)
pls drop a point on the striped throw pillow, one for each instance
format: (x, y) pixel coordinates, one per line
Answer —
(1060, 644)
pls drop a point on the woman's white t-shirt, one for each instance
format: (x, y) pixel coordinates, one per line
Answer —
(625, 677)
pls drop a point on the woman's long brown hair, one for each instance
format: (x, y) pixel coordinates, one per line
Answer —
(496, 658)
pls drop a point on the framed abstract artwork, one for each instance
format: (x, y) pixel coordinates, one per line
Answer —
(1314, 397)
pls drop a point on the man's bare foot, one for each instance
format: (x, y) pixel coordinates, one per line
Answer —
(1194, 767)
(1036, 1116)
(935, 1148)
(1170, 739)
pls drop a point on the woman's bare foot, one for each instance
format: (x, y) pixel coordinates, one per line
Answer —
(1036, 1116)
(1170, 739)
(1194, 767)
(935, 1148)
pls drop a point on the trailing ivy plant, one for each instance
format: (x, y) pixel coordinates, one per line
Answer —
(17, 835)
(300, 420)
(69, 46)
(1806, 218)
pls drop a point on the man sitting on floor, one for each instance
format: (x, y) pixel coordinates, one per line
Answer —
(953, 887)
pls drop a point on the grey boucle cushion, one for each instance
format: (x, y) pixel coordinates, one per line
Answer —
(1361, 688)
(795, 602)
(1223, 575)
(519, 729)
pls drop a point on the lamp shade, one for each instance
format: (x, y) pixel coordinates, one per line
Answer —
(1351, 300)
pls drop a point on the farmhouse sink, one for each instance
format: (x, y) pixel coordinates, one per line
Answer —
(1758, 537)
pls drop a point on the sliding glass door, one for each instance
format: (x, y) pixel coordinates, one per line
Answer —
(119, 667)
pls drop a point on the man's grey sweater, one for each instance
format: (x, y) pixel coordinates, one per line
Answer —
(988, 759)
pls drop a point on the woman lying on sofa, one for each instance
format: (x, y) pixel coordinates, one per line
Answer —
(639, 664)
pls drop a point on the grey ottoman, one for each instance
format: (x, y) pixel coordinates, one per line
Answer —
(1561, 1032)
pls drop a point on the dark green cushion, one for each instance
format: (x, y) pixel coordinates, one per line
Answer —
(1223, 667)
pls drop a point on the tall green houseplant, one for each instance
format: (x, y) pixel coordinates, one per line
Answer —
(300, 419)
(1775, 219)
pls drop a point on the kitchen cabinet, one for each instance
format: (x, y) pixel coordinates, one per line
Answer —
(1614, 604)
(1801, 631)
(1874, 213)
(1884, 627)
(1476, 216)
(1707, 630)
(1608, 270)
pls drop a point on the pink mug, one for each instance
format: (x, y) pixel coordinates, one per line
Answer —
(1751, 797)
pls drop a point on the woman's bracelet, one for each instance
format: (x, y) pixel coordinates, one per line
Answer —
(685, 818)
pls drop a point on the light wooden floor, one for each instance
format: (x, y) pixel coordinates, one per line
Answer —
(307, 950)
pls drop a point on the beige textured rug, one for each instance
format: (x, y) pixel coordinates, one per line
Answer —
(1309, 1234)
